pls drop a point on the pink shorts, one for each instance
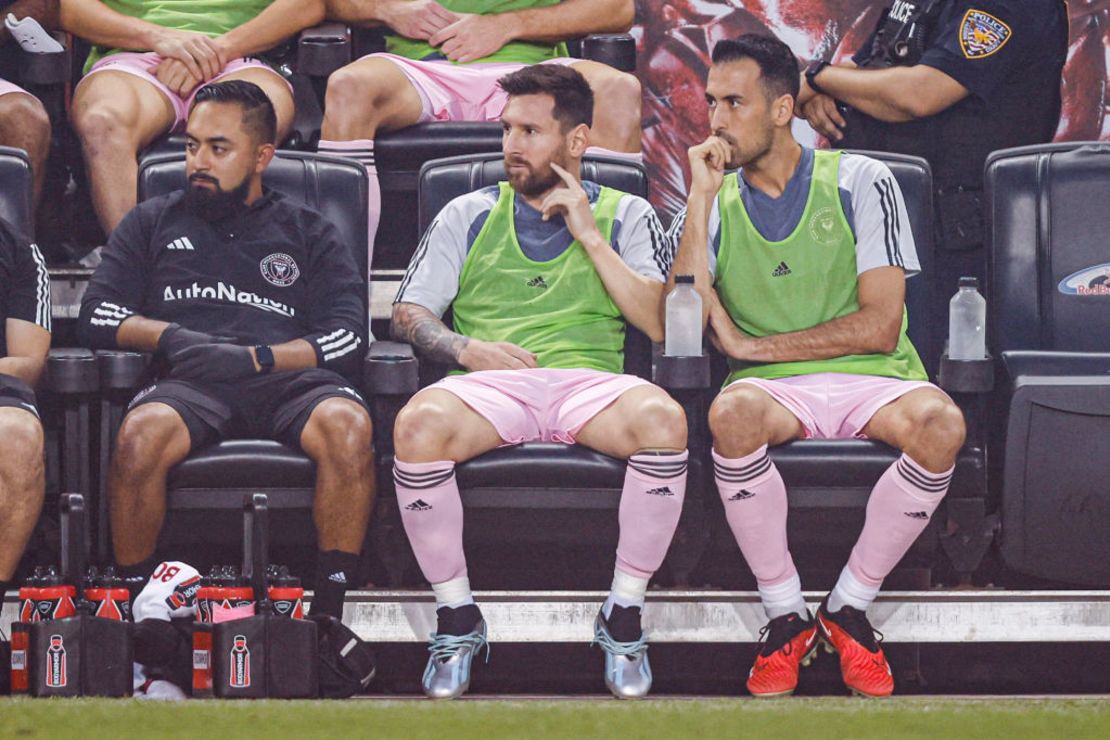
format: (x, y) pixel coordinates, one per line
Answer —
(144, 64)
(538, 404)
(7, 87)
(835, 405)
(460, 92)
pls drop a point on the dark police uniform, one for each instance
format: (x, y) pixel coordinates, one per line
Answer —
(274, 273)
(24, 295)
(1009, 54)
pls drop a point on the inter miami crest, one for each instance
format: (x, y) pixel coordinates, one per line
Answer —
(279, 269)
(981, 34)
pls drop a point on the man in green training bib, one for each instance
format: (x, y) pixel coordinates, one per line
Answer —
(149, 58)
(541, 273)
(801, 258)
(442, 62)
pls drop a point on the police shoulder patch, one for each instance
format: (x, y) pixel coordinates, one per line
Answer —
(981, 34)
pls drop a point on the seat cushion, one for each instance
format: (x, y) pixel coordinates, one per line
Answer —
(256, 464)
(542, 475)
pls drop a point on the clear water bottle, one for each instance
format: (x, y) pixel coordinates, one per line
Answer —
(967, 322)
(683, 329)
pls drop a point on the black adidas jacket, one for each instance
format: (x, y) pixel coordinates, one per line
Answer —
(278, 272)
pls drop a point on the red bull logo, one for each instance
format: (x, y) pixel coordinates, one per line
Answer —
(1090, 281)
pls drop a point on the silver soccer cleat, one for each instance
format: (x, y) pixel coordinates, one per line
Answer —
(627, 670)
(447, 674)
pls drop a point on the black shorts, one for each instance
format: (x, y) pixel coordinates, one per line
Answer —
(15, 393)
(267, 406)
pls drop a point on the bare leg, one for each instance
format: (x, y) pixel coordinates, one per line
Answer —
(117, 114)
(22, 485)
(643, 418)
(744, 417)
(925, 424)
(617, 101)
(437, 425)
(366, 97)
(338, 437)
(152, 439)
(25, 125)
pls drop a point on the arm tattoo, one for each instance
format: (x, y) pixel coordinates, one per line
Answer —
(426, 333)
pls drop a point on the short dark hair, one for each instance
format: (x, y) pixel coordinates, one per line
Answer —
(574, 100)
(778, 67)
(258, 112)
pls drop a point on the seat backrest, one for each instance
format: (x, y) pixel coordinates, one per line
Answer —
(15, 190)
(1048, 215)
(915, 179)
(442, 180)
(337, 188)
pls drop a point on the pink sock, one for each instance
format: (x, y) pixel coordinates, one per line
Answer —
(600, 151)
(651, 503)
(432, 513)
(362, 151)
(898, 511)
(755, 505)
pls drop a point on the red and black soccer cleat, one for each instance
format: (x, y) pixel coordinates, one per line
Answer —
(862, 662)
(790, 643)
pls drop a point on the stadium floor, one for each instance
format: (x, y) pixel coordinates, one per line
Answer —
(490, 717)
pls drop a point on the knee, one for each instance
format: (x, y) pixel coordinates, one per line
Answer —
(423, 427)
(99, 123)
(738, 413)
(941, 428)
(143, 437)
(617, 97)
(343, 430)
(351, 94)
(27, 114)
(659, 423)
(23, 440)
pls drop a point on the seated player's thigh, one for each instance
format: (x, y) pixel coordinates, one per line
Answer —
(644, 417)
(110, 107)
(925, 424)
(437, 425)
(276, 89)
(744, 417)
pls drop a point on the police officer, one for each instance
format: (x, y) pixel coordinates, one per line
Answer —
(950, 81)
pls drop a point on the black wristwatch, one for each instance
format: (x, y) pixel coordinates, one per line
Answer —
(265, 357)
(815, 68)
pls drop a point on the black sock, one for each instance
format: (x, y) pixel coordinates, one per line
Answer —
(458, 621)
(624, 623)
(4, 586)
(335, 572)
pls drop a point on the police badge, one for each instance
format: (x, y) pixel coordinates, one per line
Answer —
(981, 34)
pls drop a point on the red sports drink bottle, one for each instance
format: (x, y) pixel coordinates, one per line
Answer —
(109, 597)
(45, 597)
(286, 594)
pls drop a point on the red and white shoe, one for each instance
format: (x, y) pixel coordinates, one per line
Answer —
(791, 643)
(862, 662)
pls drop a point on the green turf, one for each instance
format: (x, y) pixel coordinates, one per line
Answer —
(657, 718)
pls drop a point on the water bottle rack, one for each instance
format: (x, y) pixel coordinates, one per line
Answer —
(81, 655)
(264, 656)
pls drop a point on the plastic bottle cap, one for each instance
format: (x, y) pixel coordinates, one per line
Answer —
(684, 279)
(969, 282)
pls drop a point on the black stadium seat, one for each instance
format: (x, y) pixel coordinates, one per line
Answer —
(1050, 323)
(829, 481)
(216, 477)
(534, 492)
